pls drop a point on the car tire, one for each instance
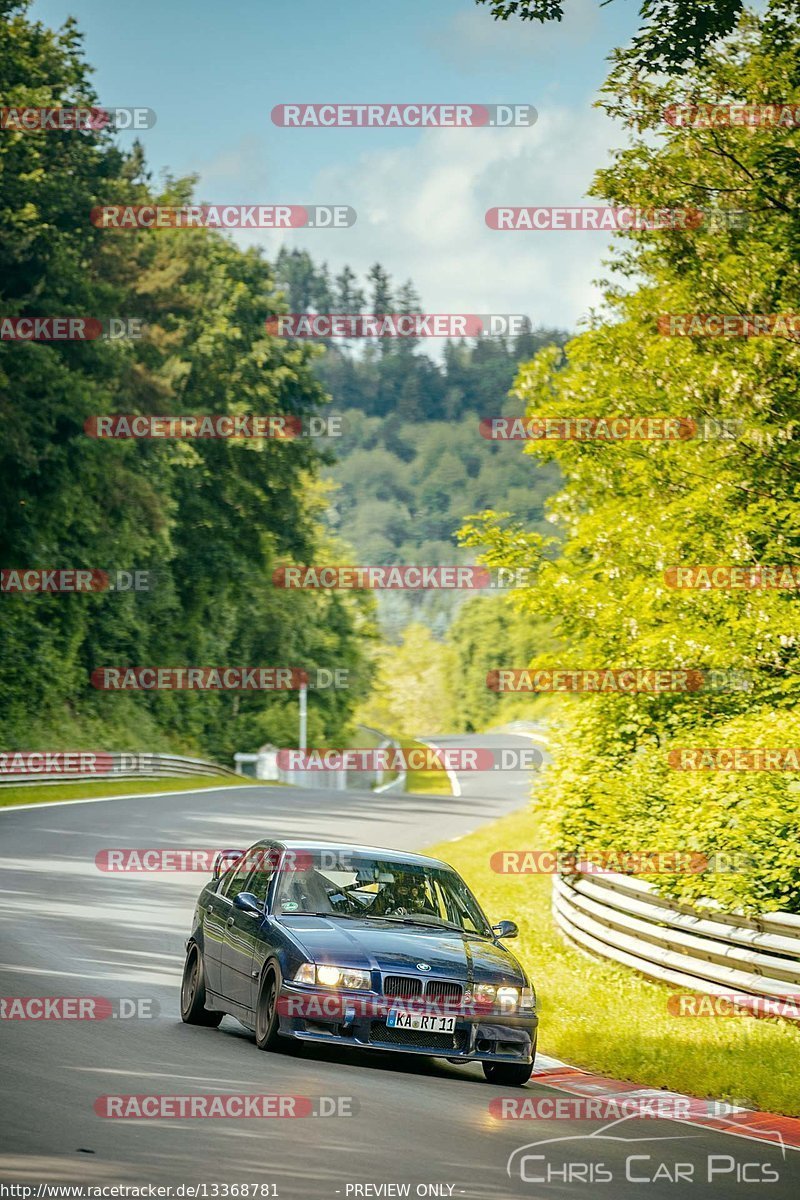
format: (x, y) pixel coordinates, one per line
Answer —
(193, 992)
(267, 1018)
(510, 1074)
(507, 1074)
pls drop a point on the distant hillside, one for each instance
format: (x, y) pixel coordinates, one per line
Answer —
(411, 464)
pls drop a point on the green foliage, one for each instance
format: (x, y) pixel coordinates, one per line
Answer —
(387, 376)
(630, 510)
(413, 686)
(207, 519)
(403, 490)
(490, 632)
(674, 33)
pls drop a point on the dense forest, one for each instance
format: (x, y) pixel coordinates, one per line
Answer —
(411, 464)
(206, 521)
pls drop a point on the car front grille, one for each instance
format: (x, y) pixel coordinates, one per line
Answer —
(443, 989)
(407, 987)
(402, 986)
(380, 1033)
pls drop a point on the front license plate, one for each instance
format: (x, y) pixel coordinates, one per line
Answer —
(400, 1019)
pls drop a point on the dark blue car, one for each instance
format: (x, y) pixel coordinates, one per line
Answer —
(358, 946)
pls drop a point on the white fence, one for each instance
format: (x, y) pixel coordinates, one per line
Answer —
(108, 765)
(266, 768)
(624, 919)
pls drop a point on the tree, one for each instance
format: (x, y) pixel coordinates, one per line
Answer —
(631, 510)
(674, 32)
(413, 686)
(207, 519)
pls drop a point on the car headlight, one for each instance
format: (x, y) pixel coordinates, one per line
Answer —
(330, 976)
(484, 992)
(528, 999)
(508, 997)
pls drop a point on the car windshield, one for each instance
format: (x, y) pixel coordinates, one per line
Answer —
(360, 886)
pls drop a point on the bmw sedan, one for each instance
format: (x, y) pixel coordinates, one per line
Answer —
(358, 946)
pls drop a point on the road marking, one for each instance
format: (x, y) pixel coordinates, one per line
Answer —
(451, 775)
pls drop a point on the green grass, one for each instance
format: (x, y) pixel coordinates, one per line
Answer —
(609, 1019)
(425, 783)
(31, 794)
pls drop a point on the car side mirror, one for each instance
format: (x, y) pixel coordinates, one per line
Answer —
(505, 929)
(247, 903)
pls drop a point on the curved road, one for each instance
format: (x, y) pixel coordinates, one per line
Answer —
(67, 928)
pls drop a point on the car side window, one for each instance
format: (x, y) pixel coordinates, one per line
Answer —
(237, 878)
(259, 881)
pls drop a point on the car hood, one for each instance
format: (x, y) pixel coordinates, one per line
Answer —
(375, 945)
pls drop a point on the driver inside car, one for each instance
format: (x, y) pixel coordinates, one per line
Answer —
(308, 892)
(406, 894)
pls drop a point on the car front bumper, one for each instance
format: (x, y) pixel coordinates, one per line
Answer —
(486, 1036)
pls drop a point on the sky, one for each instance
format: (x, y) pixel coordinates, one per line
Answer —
(213, 73)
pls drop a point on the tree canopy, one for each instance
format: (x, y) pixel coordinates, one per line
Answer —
(631, 510)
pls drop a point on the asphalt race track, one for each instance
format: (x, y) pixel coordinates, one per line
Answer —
(66, 928)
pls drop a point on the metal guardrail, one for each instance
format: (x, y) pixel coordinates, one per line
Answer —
(111, 765)
(625, 919)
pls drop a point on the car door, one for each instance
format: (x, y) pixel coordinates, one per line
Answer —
(242, 929)
(215, 922)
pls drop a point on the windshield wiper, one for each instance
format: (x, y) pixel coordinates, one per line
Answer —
(344, 916)
(434, 924)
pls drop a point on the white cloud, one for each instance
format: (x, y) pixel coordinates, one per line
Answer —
(421, 213)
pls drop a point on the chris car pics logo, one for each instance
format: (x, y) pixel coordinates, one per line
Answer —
(609, 1156)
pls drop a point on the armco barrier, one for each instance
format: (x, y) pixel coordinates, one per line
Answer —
(124, 766)
(625, 919)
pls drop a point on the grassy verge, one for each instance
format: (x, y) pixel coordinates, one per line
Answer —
(607, 1018)
(436, 783)
(31, 794)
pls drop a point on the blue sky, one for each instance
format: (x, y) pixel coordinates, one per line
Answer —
(213, 73)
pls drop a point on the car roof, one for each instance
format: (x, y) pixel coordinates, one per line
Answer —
(406, 856)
